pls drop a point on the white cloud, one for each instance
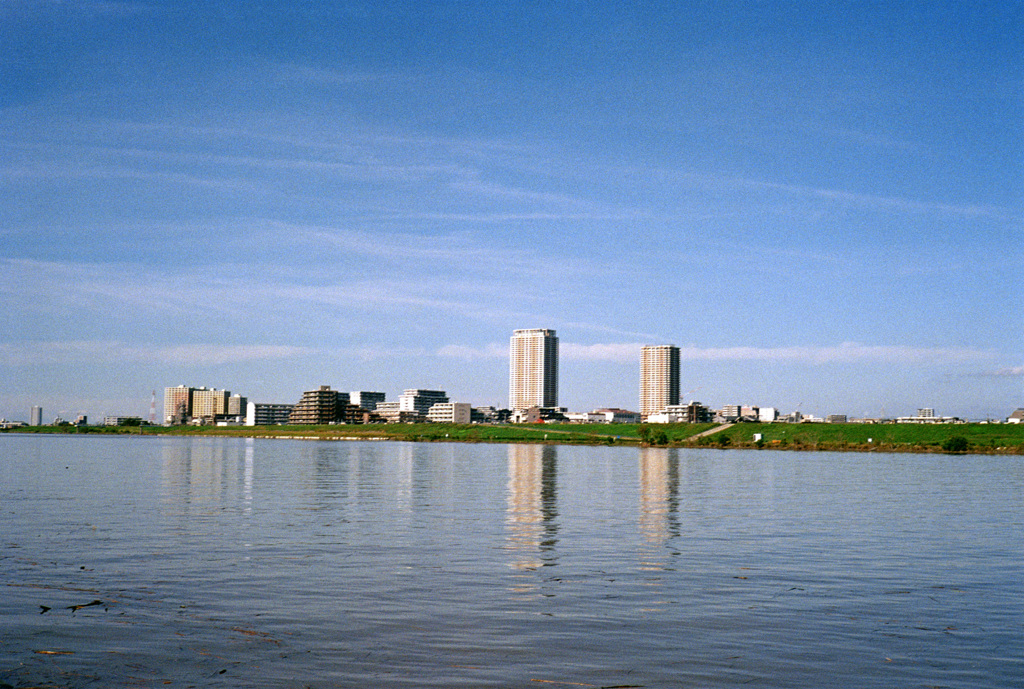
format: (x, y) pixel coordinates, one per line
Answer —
(112, 351)
(618, 353)
(846, 352)
(490, 351)
(1009, 372)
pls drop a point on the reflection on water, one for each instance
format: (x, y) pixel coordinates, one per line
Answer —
(659, 506)
(532, 505)
(659, 494)
(250, 453)
(206, 473)
(238, 563)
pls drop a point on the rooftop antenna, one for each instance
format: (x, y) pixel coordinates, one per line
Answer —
(152, 409)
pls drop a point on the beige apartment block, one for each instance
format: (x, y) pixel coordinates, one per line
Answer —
(533, 369)
(659, 378)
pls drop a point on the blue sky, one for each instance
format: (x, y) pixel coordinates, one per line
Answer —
(820, 203)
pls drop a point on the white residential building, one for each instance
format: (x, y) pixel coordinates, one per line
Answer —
(659, 378)
(533, 369)
(450, 412)
(366, 400)
(618, 416)
(420, 401)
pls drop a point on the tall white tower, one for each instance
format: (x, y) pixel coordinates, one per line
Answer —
(659, 378)
(533, 369)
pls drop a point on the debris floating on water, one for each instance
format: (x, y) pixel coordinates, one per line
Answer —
(75, 608)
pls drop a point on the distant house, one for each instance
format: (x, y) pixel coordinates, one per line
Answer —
(694, 412)
(615, 415)
(1016, 417)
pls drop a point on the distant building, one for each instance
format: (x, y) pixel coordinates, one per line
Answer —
(450, 412)
(177, 405)
(36, 417)
(392, 412)
(420, 401)
(836, 418)
(490, 415)
(927, 415)
(659, 378)
(208, 404)
(1016, 417)
(731, 412)
(533, 369)
(767, 414)
(237, 406)
(263, 414)
(366, 400)
(320, 406)
(584, 417)
(618, 416)
(694, 412)
(122, 420)
(539, 414)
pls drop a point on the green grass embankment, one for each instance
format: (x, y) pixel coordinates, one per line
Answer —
(972, 438)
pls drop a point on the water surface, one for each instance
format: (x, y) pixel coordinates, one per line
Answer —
(242, 562)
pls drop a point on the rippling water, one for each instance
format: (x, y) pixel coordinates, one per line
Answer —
(232, 562)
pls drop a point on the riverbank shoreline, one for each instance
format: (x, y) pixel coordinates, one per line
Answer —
(970, 438)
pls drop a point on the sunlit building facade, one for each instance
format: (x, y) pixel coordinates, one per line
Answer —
(533, 369)
(177, 404)
(659, 378)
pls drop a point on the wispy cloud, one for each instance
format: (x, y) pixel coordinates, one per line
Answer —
(617, 353)
(490, 351)
(1008, 372)
(113, 351)
(889, 203)
(847, 352)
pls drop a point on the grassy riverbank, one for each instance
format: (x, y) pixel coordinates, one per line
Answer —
(971, 438)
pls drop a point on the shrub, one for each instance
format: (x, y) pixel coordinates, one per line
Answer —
(956, 443)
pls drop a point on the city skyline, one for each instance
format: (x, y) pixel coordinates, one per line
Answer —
(820, 204)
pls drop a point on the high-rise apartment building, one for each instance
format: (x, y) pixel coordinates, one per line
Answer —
(659, 378)
(209, 403)
(37, 416)
(533, 369)
(177, 404)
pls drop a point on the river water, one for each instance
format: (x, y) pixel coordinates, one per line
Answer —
(202, 562)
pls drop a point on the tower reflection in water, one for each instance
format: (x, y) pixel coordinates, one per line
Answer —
(659, 505)
(532, 513)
